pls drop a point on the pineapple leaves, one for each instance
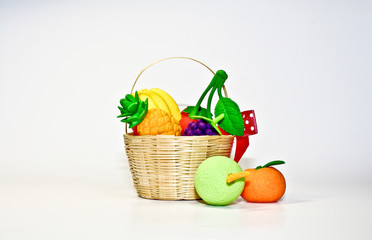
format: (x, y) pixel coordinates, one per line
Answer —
(130, 98)
(132, 109)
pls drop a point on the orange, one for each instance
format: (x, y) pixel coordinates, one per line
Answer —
(264, 185)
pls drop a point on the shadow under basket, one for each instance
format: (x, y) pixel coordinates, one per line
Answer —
(164, 166)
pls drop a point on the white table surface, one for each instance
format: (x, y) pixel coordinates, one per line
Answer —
(77, 209)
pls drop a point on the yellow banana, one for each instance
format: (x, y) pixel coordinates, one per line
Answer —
(143, 97)
(172, 105)
(154, 99)
(160, 102)
(151, 102)
(158, 98)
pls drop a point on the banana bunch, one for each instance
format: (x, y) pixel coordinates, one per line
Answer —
(158, 98)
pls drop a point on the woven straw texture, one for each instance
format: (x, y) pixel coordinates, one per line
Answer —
(163, 166)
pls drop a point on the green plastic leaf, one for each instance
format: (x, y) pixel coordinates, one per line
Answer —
(121, 109)
(133, 121)
(133, 109)
(126, 104)
(130, 98)
(201, 112)
(272, 163)
(125, 114)
(122, 102)
(232, 122)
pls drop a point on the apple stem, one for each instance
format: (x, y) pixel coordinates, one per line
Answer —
(235, 176)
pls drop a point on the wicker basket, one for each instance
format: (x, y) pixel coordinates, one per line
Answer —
(163, 166)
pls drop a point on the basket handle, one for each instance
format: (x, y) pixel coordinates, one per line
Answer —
(192, 59)
(188, 58)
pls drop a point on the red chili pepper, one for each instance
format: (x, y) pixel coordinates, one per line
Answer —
(250, 128)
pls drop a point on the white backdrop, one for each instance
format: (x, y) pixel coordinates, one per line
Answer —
(304, 67)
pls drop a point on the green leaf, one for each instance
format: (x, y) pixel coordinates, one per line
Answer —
(122, 101)
(132, 107)
(130, 98)
(124, 114)
(133, 121)
(121, 109)
(201, 112)
(232, 122)
(272, 163)
(126, 104)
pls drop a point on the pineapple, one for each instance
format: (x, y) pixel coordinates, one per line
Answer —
(132, 109)
(148, 122)
(159, 122)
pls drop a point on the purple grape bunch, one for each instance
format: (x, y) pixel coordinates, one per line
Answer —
(199, 128)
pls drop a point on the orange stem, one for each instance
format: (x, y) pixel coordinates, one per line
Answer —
(234, 176)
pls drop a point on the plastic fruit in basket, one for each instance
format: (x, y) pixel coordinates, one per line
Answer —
(146, 121)
(227, 112)
(132, 109)
(159, 122)
(158, 98)
(211, 181)
(199, 128)
(185, 121)
(264, 184)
